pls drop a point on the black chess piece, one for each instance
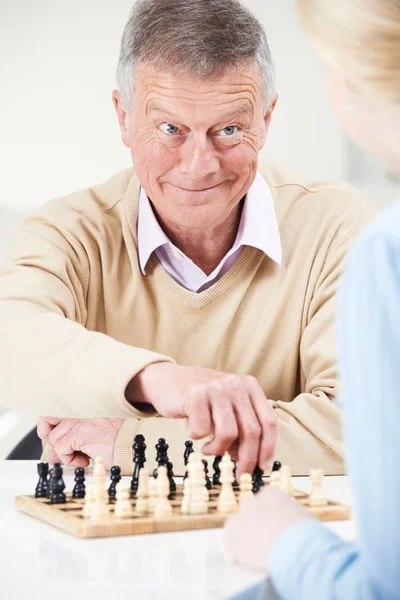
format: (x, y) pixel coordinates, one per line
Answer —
(115, 478)
(79, 488)
(170, 470)
(188, 451)
(235, 484)
(162, 455)
(217, 470)
(57, 486)
(139, 458)
(208, 480)
(276, 466)
(43, 484)
(48, 493)
(258, 482)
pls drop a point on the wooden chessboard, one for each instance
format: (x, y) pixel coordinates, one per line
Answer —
(69, 517)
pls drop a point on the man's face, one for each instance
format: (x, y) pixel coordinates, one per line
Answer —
(195, 144)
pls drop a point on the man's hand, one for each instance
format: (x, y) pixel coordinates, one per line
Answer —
(74, 441)
(232, 408)
(253, 531)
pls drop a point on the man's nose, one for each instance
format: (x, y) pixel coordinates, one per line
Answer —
(199, 157)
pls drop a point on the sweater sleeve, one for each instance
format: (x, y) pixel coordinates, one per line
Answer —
(311, 422)
(307, 557)
(50, 364)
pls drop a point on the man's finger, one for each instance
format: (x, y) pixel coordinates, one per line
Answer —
(45, 426)
(250, 431)
(199, 421)
(224, 423)
(62, 429)
(268, 420)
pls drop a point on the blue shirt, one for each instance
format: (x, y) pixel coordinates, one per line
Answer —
(309, 562)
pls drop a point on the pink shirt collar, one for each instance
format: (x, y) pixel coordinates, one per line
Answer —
(258, 228)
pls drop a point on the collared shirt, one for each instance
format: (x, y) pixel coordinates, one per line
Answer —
(258, 228)
(308, 561)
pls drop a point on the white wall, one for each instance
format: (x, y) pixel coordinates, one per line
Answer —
(58, 131)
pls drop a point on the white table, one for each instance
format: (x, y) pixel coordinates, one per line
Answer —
(40, 561)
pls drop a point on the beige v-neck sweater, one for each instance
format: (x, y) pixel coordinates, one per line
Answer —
(78, 319)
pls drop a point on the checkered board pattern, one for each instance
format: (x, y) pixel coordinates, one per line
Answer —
(69, 517)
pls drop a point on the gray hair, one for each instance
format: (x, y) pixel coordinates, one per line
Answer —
(202, 38)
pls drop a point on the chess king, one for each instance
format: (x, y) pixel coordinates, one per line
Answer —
(192, 295)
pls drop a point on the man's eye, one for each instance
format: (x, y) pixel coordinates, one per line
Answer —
(229, 131)
(169, 129)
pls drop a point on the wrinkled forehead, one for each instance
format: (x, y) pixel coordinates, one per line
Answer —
(238, 89)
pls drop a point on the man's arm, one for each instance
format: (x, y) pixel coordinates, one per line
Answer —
(49, 362)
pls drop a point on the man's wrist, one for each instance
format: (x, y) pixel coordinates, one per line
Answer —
(138, 391)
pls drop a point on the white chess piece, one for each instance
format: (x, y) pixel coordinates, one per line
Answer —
(123, 506)
(89, 501)
(198, 504)
(152, 488)
(246, 487)
(275, 479)
(286, 480)
(317, 496)
(100, 504)
(142, 494)
(186, 496)
(99, 476)
(227, 503)
(163, 507)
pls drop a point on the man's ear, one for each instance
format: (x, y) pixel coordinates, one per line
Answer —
(122, 117)
(267, 119)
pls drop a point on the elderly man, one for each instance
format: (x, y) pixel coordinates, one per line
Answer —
(192, 296)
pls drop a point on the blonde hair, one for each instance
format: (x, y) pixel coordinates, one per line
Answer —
(361, 37)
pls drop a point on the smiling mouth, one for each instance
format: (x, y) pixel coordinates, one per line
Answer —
(199, 191)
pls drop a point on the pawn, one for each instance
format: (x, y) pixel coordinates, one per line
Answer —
(186, 496)
(246, 487)
(258, 482)
(89, 502)
(235, 483)
(123, 505)
(115, 478)
(43, 484)
(286, 480)
(226, 500)
(198, 492)
(208, 480)
(170, 472)
(57, 486)
(163, 507)
(152, 494)
(142, 503)
(276, 466)
(317, 496)
(188, 451)
(79, 487)
(275, 479)
(217, 471)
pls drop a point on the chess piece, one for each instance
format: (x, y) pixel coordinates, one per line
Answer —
(115, 478)
(186, 496)
(246, 487)
(122, 506)
(142, 503)
(198, 504)
(226, 501)
(79, 487)
(276, 466)
(172, 484)
(235, 483)
(188, 451)
(42, 484)
(152, 494)
(208, 480)
(139, 458)
(275, 479)
(217, 472)
(163, 507)
(317, 496)
(48, 484)
(89, 501)
(57, 486)
(161, 456)
(258, 482)
(286, 480)
(100, 507)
